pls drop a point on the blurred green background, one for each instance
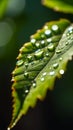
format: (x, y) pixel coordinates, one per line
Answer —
(18, 20)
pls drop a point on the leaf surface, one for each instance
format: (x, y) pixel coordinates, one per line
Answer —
(39, 62)
(65, 6)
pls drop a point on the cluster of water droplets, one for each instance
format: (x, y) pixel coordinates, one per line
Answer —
(53, 70)
(41, 50)
(66, 40)
(45, 45)
(70, 30)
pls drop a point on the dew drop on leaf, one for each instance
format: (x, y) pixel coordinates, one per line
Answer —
(44, 74)
(55, 65)
(52, 73)
(61, 71)
(19, 62)
(34, 84)
(66, 43)
(47, 55)
(60, 59)
(26, 91)
(29, 57)
(55, 28)
(70, 30)
(42, 36)
(49, 40)
(58, 51)
(43, 43)
(51, 47)
(26, 74)
(38, 54)
(42, 79)
(48, 33)
(37, 45)
(68, 34)
(33, 40)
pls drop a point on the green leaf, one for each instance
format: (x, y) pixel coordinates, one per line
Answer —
(3, 5)
(65, 6)
(39, 63)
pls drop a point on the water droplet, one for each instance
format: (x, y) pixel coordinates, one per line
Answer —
(26, 91)
(52, 73)
(61, 71)
(51, 47)
(38, 54)
(37, 45)
(70, 30)
(43, 43)
(60, 59)
(33, 40)
(26, 74)
(26, 64)
(29, 57)
(48, 33)
(47, 55)
(55, 65)
(50, 68)
(49, 40)
(19, 62)
(55, 28)
(42, 79)
(66, 43)
(45, 27)
(58, 51)
(42, 36)
(68, 34)
(34, 84)
(44, 74)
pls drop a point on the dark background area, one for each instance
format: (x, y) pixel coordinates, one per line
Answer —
(56, 111)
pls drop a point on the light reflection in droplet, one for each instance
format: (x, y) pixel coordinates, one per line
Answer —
(33, 40)
(61, 71)
(55, 65)
(44, 74)
(26, 91)
(55, 28)
(34, 84)
(49, 40)
(48, 32)
(52, 73)
(42, 79)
